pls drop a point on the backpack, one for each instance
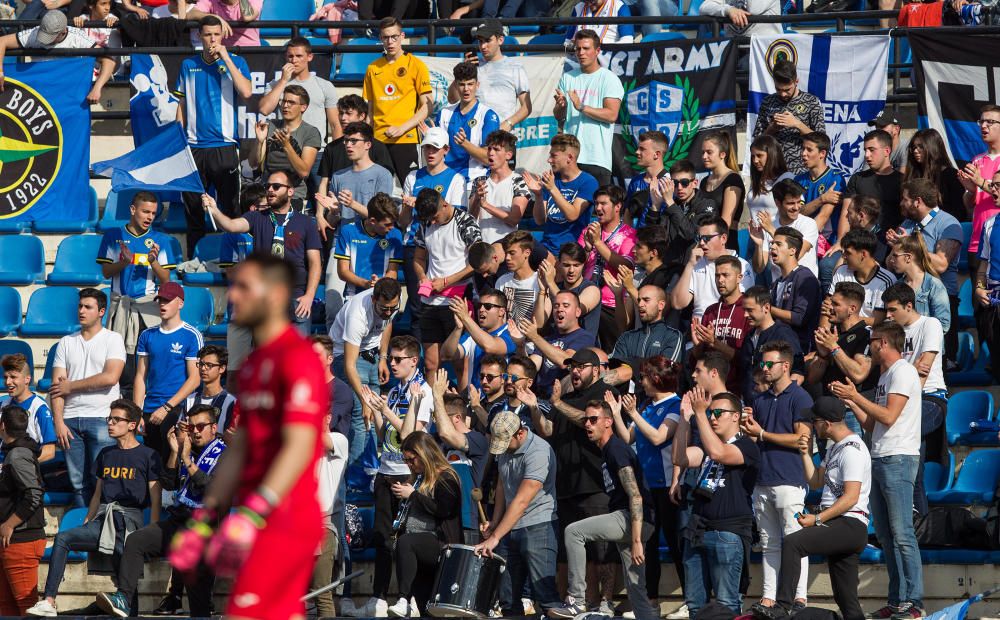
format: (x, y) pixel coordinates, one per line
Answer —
(952, 527)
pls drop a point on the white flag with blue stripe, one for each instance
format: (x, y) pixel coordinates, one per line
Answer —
(164, 163)
(847, 73)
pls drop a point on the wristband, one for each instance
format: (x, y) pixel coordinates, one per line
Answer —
(833, 352)
(263, 501)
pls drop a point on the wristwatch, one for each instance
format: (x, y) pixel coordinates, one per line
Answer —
(818, 520)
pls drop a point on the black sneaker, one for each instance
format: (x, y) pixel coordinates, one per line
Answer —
(886, 612)
(762, 612)
(798, 606)
(170, 605)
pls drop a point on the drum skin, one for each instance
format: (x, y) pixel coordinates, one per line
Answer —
(467, 585)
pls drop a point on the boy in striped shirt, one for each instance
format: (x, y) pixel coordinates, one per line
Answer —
(468, 123)
(17, 381)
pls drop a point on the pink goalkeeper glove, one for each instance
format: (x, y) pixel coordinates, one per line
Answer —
(231, 545)
(188, 545)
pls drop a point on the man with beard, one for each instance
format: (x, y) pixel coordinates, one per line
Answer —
(757, 309)
(724, 326)
(270, 470)
(569, 266)
(788, 114)
(654, 337)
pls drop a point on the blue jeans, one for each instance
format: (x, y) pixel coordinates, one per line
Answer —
(531, 559)
(510, 8)
(90, 436)
(368, 373)
(718, 562)
(891, 503)
(83, 538)
(663, 8)
(827, 265)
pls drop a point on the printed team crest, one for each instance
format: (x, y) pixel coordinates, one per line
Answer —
(148, 243)
(670, 108)
(439, 189)
(400, 72)
(390, 89)
(383, 244)
(781, 49)
(31, 144)
(472, 123)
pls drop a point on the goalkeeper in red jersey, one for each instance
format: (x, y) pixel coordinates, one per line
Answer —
(267, 543)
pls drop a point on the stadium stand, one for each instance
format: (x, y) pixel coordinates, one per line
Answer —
(75, 265)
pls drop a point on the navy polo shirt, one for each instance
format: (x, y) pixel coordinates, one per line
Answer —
(778, 413)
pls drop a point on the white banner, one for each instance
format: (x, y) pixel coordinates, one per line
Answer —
(533, 133)
(847, 73)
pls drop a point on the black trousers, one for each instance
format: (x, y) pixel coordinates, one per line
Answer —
(404, 159)
(602, 174)
(665, 514)
(841, 540)
(153, 541)
(417, 558)
(386, 507)
(156, 434)
(218, 167)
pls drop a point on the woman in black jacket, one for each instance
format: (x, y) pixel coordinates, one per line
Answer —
(22, 522)
(429, 517)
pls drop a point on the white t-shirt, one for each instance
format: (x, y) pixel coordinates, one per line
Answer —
(903, 437)
(848, 460)
(332, 491)
(810, 233)
(874, 288)
(358, 324)
(521, 295)
(501, 195)
(447, 248)
(86, 358)
(500, 83)
(765, 202)
(922, 336)
(703, 283)
(391, 463)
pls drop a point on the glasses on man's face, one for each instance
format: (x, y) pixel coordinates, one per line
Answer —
(769, 365)
(490, 306)
(512, 378)
(198, 427)
(276, 186)
(682, 182)
(114, 419)
(386, 309)
(718, 412)
(485, 376)
(285, 102)
(591, 419)
(353, 141)
(988, 122)
(706, 238)
(390, 38)
(573, 366)
(208, 365)
(395, 359)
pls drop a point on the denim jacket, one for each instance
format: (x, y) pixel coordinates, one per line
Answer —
(932, 300)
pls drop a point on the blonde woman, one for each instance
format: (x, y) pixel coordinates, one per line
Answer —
(909, 259)
(429, 518)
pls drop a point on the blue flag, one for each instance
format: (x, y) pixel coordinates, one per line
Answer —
(959, 611)
(162, 164)
(45, 140)
(153, 108)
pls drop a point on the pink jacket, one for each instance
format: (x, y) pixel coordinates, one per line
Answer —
(334, 12)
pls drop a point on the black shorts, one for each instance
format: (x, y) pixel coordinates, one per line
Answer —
(436, 323)
(578, 508)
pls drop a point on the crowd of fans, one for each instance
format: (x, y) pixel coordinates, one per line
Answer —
(622, 374)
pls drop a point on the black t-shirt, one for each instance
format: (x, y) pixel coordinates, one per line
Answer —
(125, 474)
(851, 342)
(579, 463)
(723, 491)
(884, 187)
(617, 455)
(341, 407)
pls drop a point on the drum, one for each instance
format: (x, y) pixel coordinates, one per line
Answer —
(467, 585)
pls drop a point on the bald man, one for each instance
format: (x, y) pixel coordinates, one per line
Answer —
(653, 337)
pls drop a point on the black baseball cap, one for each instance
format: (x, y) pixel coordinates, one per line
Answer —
(827, 408)
(884, 119)
(489, 28)
(583, 357)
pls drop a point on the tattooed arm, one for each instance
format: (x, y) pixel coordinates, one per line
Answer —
(631, 487)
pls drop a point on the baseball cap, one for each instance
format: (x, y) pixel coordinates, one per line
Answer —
(502, 430)
(883, 119)
(489, 28)
(582, 357)
(827, 408)
(436, 137)
(53, 25)
(170, 291)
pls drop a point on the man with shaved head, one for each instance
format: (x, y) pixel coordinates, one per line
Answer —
(653, 337)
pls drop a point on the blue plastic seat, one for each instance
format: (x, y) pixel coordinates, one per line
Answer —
(75, 262)
(966, 354)
(22, 260)
(46, 381)
(976, 482)
(116, 210)
(12, 226)
(966, 311)
(10, 311)
(51, 312)
(953, 556)
(963, 255)
(977, 375)
(71, 226)
(450, 41)
(938, 477)
(175, 220)
(964, 408)
(663, 35)
(176, 250)
(354, 64)
(207, 249)
(73, 518)
(544, 39)
(218, 330)
(199, 307)
(284, 10)
(10, 346)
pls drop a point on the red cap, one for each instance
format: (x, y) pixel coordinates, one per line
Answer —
(170, 291)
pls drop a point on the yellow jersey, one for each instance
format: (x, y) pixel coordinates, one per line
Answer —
(394, 88)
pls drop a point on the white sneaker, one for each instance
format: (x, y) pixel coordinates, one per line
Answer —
(629, 615)
(681, 613)
(400, 610)
(43, 608)
(529, 606)
(380, 609)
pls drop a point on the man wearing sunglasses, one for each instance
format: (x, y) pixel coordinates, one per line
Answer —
(471, 339)
(195, 449)
(718, 535)
(128, 475)
(697, 282)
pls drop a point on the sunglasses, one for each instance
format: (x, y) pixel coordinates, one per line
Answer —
(512, 378)
(591, 419)
(395, 359)
(276, 185)
(198, 427)
(114, 419)
(485, 376)
(489, 306)
(386, 309)
(718, 412)
(682, 182)
(769, 365)
(208, 365)
(706, 238)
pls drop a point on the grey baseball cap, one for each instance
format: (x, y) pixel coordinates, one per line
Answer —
(53, 24)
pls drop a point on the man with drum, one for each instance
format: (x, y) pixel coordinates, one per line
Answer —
(628, 523)
(527, 521)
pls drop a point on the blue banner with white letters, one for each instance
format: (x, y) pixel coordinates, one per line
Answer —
(45, 140)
